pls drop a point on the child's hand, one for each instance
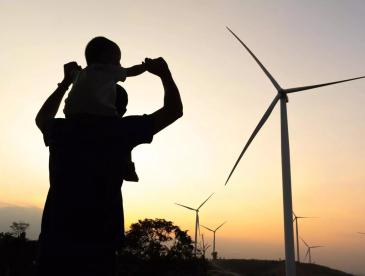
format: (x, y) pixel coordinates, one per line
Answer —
(136, 70)
(69, 70)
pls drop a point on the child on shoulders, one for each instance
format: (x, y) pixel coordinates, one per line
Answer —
(94, 90)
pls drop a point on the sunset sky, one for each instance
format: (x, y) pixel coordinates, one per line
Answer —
(224, 94)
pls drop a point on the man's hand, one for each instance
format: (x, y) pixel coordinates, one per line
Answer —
(157, 66)
(69, 70)
(50, 107)
(172, 108)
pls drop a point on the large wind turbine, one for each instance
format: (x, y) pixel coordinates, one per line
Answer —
(309, 250)
(196, 219)
(215, 230)
(285, 154)
(296, 218)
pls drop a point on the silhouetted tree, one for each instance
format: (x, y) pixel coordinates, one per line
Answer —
(17, 254)
(18, 229)
(6, 236)
(153, 239)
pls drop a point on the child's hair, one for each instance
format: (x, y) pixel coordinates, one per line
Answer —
(121, 101)
(102, 50)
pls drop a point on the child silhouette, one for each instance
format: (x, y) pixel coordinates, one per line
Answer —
(95, 93)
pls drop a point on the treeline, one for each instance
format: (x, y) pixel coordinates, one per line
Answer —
(151, 247)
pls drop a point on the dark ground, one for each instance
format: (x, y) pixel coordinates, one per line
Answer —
(17, 259)
(267, 268)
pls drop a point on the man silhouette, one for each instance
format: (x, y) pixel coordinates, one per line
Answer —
(82, 223)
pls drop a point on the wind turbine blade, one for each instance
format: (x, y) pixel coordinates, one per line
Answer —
(220, 226)
(207, 228)
(297, 89)
(257, 129)
(304, 242)
(274, 82)
(185, 206)
(361, 233)
(205, 201)
(317, 246)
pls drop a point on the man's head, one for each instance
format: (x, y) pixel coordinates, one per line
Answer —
(102, 50)
(121, 100)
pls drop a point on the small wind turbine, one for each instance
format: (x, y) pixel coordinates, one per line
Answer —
(214, 253)
(309, 250)
(204, 246)
(285, 153)
(296, 218)
(196, 219)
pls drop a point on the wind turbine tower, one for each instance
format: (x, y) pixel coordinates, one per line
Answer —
(282, 95)
(196, 219)
(214, 253)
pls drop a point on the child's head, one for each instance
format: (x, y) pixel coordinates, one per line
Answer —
(102, 50)
(121, 100)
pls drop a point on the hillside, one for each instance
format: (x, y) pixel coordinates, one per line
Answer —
(242, 267)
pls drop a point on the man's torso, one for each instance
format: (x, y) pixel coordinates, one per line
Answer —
(84, 203)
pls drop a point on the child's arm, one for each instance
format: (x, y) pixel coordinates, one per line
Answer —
(136, 70)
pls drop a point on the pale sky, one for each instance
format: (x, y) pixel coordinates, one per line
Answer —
(224, 94)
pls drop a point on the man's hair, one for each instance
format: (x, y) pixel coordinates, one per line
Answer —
(121, 100)
(102, 50)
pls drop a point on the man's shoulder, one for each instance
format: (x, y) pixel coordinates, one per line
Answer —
(136, 127)
(49, 128)
(97, 121)
(134, 122)
(134, 118)
(51, 123)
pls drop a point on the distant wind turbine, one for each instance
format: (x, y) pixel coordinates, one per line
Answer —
(296, 218)
(285, 153)
(215, 230)
(196, 219)
(204, 246)
(309, 250)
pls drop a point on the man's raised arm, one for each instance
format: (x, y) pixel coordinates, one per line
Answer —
(172, 108)
(50, 107)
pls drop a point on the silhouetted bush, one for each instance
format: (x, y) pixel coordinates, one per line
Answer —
(158, 247)
(155, 239)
